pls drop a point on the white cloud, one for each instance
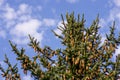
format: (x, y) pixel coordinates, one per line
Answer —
(23, 9)
(28, 77)
(24, 17)
(117, 2)
(115, 11)
(58, 31)
(21, 31)
(48, 22)
(1, 2)
(12, 16)
(114, 14)
(9, 13)
(72, 1)
(19, 22)
(28, 27)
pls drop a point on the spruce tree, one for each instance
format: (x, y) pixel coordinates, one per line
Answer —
(118, 67)
(84, 56)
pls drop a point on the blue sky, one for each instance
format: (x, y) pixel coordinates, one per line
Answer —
(18, 18)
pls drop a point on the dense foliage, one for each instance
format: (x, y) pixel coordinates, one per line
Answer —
(84, 57)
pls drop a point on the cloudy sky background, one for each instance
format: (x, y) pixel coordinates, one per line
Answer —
(18, 18)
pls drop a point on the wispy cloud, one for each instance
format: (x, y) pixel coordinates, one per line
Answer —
(1, 2)
(60, 24)
(72, 1)
(9, 13)
(117, 3)
(21, 31)
(48, 22)
(20, 23)
(114, 13)
(57, 31)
